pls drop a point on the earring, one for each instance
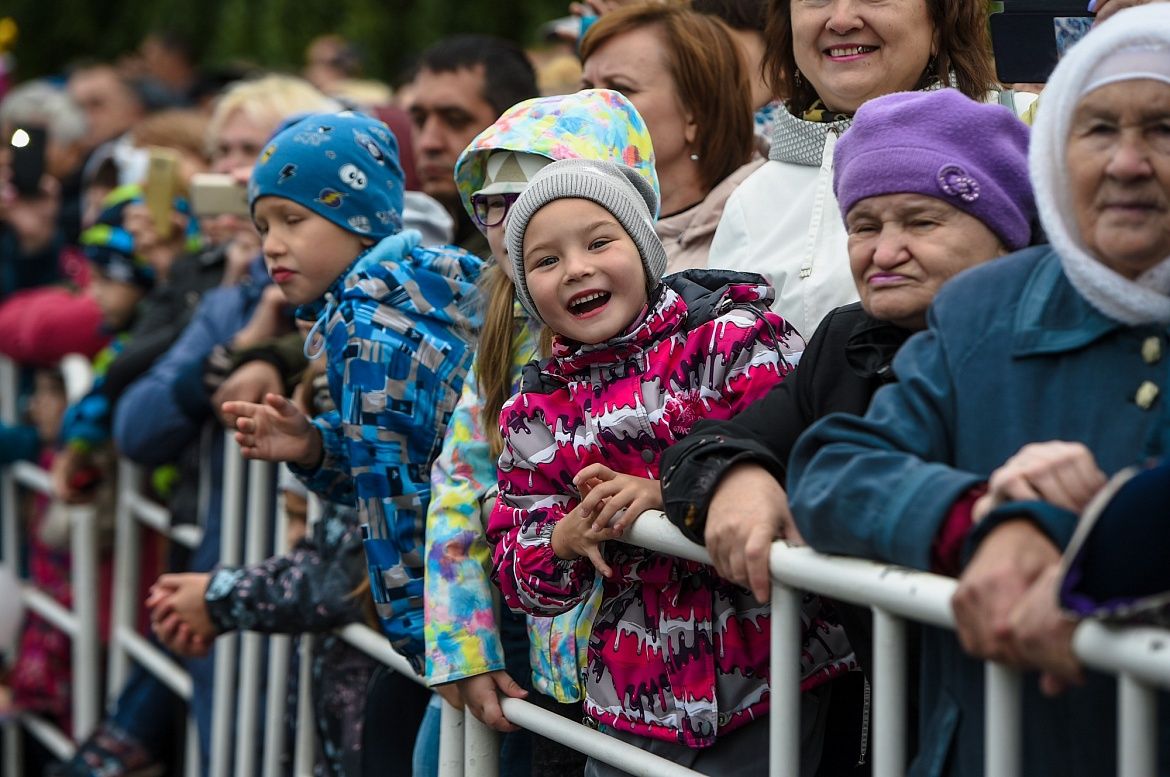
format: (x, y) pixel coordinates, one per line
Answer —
(798, 78)
(694, 157)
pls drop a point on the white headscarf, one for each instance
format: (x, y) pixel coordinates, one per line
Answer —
(1134, 44)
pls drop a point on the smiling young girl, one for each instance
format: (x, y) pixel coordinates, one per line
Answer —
(678, 657)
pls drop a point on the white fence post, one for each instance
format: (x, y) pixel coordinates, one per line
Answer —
(451, 732)
(256, 520)
(784, 717)
(86, 642)
(9, 512)
(127, 566)
(279, 660)
(1002, 720)
(305, 749)
(889, 694)
(226, 647)
(9, 539)
(481, 749)
(1137, 728)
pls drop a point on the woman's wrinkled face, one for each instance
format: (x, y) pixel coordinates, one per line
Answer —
(1118, 160)
(634, 63)
(903, 247)
(851, 51)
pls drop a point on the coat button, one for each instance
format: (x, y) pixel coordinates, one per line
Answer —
(1147, 393)
(647, 455)
(1152, 350)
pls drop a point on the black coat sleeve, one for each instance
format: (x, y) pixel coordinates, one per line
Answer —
(763, 433)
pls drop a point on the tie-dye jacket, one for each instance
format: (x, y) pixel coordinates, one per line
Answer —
(399, 331)
(677, 653)
(462, 633)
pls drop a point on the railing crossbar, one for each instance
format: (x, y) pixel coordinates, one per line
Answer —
(154, 660)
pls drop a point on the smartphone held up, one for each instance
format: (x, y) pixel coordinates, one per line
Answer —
(160, 188)
(216, 194)
(27, 154)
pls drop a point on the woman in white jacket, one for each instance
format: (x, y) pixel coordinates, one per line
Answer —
(824, 60)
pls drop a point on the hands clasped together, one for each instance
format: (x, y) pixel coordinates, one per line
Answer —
(1006, 607)
(610, 503)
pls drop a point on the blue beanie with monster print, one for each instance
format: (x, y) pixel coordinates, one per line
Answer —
(342, 166)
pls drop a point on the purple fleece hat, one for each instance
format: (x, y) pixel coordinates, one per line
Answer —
(940, 144)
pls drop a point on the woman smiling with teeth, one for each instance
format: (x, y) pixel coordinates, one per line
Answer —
(824, 59)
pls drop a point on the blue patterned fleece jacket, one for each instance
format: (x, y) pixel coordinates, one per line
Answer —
(398, 330)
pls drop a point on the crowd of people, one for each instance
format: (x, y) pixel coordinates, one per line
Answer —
(798, 270)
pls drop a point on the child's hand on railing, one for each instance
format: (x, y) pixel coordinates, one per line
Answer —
(73, 476)
(606, 493)
(275, 431)
(178, 614)
(481, 695)
(574, 537)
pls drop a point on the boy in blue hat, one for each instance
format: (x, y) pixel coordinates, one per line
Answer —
(396, 323)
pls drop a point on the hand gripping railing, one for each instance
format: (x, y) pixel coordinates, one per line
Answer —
(1139, 656)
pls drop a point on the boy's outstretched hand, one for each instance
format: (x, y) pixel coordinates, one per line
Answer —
(606, 493)
(275, 431)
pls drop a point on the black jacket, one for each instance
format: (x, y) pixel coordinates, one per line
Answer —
(846, 361)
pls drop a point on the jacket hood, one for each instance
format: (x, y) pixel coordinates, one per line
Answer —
(709, 293)
(438, 283)
(591, 124)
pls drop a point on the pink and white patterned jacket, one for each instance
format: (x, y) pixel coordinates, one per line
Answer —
(677, 653)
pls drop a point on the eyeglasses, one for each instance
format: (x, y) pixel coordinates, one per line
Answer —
(490, 209)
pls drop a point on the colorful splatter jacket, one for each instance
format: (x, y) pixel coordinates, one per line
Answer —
(399, 334)
(676, 653)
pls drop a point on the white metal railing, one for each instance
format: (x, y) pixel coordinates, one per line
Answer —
(136, 514)
(79, 622)
(1138, 656)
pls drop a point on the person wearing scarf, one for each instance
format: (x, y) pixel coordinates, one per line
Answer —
(963, 465)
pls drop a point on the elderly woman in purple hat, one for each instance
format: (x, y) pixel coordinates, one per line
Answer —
(929, 184)
(1038, 376)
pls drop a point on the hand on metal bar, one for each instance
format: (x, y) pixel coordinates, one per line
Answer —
(747, 513)
(480, 695)
(1044, 634)
(1007, 564)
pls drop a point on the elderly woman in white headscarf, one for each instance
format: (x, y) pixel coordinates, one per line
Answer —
(1039, 374)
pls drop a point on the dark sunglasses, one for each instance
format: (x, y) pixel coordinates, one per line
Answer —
(490, 209)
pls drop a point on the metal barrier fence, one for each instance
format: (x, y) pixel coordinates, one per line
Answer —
(79, 622)
(1138, 656)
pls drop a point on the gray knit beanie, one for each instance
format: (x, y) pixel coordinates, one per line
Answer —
(619, 189)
